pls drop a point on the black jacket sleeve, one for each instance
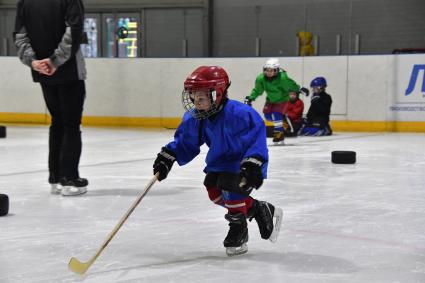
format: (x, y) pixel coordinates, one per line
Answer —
(71, 40)
(75, 19)
(23, 46)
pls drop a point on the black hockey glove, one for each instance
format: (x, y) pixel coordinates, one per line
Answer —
(248, 101)
(251, 176)
(163, 163)
(305, 91)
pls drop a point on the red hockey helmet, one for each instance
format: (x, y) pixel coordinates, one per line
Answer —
(212, 80)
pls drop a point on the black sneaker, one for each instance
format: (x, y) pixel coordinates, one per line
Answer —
(53, 179)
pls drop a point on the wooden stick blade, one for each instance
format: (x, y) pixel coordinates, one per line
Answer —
(77, 266)
(81, 267)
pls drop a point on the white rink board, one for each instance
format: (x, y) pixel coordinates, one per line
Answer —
(334, 69)
(363, 88)
(18, 93)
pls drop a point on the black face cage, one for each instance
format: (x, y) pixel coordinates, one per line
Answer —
(276, 73)
(276, 70)
(319, 89)
(189, 106)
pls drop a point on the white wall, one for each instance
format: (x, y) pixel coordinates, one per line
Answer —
(17, 91)
(363, 88)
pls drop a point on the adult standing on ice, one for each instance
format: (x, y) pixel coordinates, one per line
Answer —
(48, 34)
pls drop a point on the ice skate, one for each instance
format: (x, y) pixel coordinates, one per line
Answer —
(237, 237)
(278, 138)
(268, 217)
(74, 187)
(55, 187)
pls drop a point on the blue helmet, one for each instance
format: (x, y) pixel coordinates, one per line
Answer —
(318, 82)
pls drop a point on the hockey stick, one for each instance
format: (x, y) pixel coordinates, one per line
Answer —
(81, 267)
(288, 121)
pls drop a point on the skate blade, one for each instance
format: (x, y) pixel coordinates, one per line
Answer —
(232, 251)
(278, 214)
(55, 189)
(73, 191)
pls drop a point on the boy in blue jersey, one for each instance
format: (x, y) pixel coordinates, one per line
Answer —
(237, 158)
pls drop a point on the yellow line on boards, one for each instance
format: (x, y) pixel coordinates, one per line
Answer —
(24, 118)
(378, 126)
(155, 122)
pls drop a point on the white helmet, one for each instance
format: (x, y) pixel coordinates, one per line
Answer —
(272, 63)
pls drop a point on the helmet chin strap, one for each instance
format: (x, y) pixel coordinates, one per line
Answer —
(220, 107)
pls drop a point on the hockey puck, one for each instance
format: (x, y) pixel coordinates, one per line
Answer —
(2, 131)
(4, 205)
(343, 157)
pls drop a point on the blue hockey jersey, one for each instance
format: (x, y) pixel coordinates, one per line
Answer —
(235, 133)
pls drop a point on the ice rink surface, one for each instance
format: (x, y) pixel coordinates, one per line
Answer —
(342, 223)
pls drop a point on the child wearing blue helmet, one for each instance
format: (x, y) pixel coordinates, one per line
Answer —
(317, 120)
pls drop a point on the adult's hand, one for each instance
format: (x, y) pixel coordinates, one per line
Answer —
(51, 69)
(40, 67)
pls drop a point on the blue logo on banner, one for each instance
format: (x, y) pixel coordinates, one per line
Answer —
(414, 77)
